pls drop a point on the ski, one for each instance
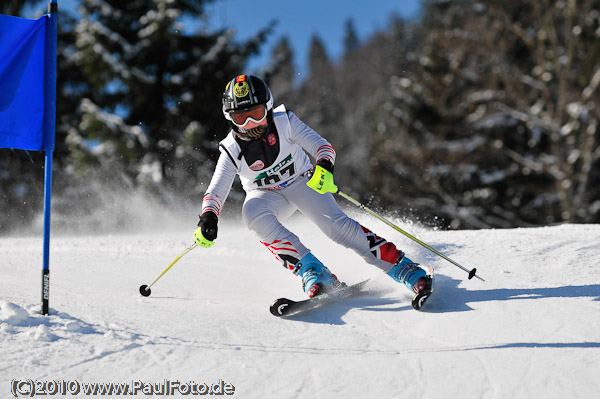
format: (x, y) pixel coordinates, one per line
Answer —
(419, 299)
(285, 307)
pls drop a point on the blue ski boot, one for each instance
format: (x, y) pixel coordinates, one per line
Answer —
(316, 278)
(407, 272)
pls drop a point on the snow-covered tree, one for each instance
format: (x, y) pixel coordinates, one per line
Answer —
(495, 122)
(157, 76)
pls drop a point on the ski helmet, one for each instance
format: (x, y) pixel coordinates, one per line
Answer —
(250, 98)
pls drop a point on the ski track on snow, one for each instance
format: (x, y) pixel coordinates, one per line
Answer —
(531, 330)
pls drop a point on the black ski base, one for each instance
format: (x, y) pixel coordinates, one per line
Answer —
(419, 299)
(283, 307)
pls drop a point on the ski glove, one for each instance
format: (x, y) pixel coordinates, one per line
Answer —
(325, 164)
(322, 178)
(206, 233)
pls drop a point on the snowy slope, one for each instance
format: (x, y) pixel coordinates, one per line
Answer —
(532, 330)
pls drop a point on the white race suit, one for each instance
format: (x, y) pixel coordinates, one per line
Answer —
(273, 171)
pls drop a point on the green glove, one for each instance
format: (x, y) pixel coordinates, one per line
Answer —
(322, 181)
(201, 240)
(206, 233)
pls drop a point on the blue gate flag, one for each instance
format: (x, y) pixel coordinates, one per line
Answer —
(28, 101)
(23, 84)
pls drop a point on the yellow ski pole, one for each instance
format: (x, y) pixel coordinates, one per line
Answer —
(415, 239)
(322, 182)
(145, 289)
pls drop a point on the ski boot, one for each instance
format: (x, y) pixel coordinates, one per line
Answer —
(316, 278)
(406, 272)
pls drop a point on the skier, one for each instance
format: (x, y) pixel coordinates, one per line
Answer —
(266, 148)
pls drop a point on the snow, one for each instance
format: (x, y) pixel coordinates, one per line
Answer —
(531, 330)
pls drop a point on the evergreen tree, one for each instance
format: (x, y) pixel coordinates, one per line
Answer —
(138, 106)
(494, 124)
(155, 108)
(281, 79)
(319, 107)
(16, 7)
(351, 41)
(318, 60)
(479, 114)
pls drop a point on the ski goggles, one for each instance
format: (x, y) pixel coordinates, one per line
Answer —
(256, 114)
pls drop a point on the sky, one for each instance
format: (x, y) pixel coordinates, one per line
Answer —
(300, 20)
